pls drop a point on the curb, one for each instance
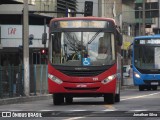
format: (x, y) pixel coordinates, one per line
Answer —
(128, 87)
(24, 99)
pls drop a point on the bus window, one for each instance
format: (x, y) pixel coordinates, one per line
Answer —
(69, 48)
(56, 49)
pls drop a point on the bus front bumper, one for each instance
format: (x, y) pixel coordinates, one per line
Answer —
(96, 87)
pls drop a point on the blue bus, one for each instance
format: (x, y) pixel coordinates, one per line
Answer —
(146, 62)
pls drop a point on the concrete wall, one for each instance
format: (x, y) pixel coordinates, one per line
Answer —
(13, 8)
(111, 9)
(46, 5)
(128, 14)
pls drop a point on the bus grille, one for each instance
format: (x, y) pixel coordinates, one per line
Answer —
(82, 73)
(91, 89)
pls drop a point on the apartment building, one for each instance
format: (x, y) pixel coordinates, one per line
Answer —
(147, 17)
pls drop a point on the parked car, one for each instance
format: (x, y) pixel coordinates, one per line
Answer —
(126, 70)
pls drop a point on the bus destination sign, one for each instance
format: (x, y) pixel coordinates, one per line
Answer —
(82, 24)
(148, 42)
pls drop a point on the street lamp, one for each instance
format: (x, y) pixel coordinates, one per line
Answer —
(140, 9)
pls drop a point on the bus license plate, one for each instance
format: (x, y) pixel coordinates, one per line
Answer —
(154, 83)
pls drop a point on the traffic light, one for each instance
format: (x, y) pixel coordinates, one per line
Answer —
(31, 37)
(44, 38)
(88, 8)
(44, 53)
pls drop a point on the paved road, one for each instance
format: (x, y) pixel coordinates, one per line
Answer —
(133, 103)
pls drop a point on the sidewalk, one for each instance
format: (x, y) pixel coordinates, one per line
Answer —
(129, 87)
(128, 81)
(24, 99)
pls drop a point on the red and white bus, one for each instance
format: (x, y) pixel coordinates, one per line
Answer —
(84, 59)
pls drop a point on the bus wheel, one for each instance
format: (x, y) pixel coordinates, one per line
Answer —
(154, 87)
(58, 99)
(109, 98)
(117, 98)
(141, 88)
(69, 99)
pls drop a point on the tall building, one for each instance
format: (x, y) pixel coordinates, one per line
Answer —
(147, 16)
(128, 28)
(66, 6)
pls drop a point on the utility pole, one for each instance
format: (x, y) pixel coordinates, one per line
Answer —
(143, 18)
(140, 10)
(26, 49)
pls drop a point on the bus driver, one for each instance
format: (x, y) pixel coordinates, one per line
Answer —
(102, 54)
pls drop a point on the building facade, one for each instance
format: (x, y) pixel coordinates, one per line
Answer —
(11, 23)
(123, 12)
(147, 16)
(128, 28)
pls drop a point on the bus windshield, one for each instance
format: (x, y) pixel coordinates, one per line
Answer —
(73, 48)
(147, 57)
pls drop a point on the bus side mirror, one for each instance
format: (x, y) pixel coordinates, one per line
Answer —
(44, 38)
(131, 66)
(120, 39)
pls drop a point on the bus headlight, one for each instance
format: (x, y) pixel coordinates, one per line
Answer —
(55, 79)
(136, 75)
(108, 79)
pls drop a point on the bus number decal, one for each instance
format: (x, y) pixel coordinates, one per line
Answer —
(81, 86)
(95, 79)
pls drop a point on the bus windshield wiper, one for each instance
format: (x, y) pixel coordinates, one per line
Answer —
(94, 36)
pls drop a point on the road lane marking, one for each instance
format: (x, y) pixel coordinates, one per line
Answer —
(140, 96)
(46, 110)
(137, 110)
(109, 108)
(77, 110)
(74, 118)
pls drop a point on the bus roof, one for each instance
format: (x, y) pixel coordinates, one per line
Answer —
(148, 36)
(83, 18)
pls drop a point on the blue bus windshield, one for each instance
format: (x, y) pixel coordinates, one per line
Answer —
(147, 54)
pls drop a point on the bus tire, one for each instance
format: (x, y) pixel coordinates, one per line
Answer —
(68, 99)
(109, 98)
(141, 88)
(117, 98)
(58, 99)
(154, 87)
